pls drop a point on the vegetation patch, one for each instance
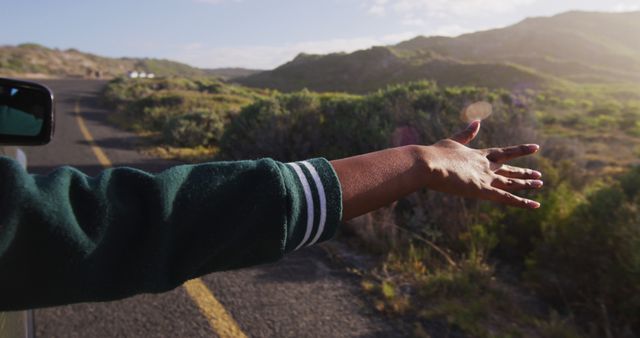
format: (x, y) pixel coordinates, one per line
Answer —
(177, 112)
(569, 269)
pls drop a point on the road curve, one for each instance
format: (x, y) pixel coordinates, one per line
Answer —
(304, 295)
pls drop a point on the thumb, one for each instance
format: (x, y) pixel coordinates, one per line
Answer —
(468, 134)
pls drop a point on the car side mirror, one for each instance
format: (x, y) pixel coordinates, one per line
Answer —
(26, 113)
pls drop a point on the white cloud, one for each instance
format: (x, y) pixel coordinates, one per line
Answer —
(411, 21)
(378, 8)
(626, 7)
(417, 12)
(267, 57)
(449, 30)
(215, 2)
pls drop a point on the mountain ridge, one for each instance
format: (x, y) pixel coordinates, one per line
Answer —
(34, 60)
(575, 46)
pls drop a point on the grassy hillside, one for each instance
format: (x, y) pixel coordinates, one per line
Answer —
(33, 59)
(231, 73)
(37, 60)
(177, 113)
(368, 70)
(579, 47)
(595, 44)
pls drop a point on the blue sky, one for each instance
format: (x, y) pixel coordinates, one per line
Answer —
(259, 33)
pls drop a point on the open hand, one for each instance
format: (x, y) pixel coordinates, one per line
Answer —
(480, 173)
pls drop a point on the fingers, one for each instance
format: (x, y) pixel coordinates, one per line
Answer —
(515, 184)
(505, 197)
(501, 155)
(468, 134)
(515, 172)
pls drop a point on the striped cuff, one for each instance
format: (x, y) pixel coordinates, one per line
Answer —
(315, 202)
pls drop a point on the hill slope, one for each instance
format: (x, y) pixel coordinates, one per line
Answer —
(36, 60)
(570, 45)
(573, 46)
(371, 69)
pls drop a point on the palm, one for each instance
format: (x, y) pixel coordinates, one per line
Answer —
(482, 173)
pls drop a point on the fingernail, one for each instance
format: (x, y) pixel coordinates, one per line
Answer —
(474, 124)
(533, 147)
(533, 204)
(536, 174)
(537, 183)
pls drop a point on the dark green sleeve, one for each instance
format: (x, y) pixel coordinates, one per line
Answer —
(67, 237)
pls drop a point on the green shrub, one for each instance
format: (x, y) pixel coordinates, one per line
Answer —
(193, 129)
(304, 124)
(589, 262)
(148, 105)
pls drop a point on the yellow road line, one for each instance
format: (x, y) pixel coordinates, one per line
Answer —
(220, 320)
(102, 157)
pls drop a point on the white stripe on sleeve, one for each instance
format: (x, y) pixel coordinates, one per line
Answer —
(323, 200)
(307, 195)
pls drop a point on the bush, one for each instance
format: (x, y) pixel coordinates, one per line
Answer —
(181, 112)
(305, 124)
(193, 129)
(589, 262)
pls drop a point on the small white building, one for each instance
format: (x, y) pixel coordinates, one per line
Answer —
(134, 74)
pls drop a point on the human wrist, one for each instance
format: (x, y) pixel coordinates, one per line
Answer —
(417, 162)
(425, 161)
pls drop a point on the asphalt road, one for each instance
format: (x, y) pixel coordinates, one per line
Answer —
(304, 295)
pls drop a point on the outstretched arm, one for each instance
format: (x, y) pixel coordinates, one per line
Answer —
(373, 180)
(125, 231)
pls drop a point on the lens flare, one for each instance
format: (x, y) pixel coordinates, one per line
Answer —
(476, 111)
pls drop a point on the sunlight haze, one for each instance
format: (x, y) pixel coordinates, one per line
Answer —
(260, 34)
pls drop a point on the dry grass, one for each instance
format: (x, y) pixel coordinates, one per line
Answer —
(189, 155)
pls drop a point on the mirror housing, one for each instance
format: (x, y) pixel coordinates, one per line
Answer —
(27, 113)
